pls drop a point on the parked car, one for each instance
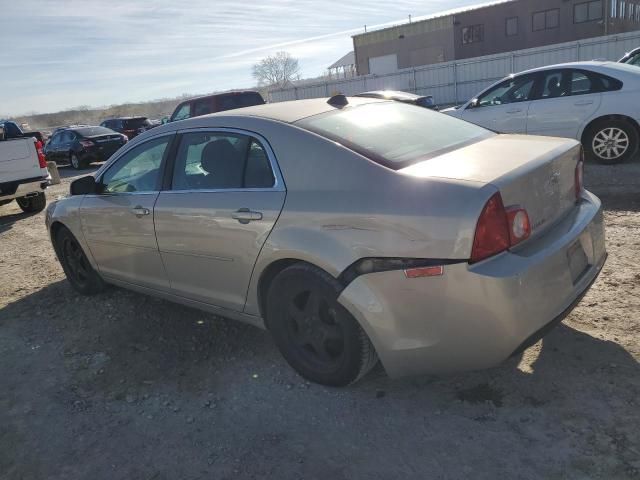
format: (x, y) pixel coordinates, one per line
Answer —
(632, 57)
(430, 242)
(129, 126)
(405, 97)
(220, 102)
(79, 146)
(23, 172)
(13, 130)
(593, 102)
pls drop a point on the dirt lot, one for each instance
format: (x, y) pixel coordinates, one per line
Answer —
(124, 386)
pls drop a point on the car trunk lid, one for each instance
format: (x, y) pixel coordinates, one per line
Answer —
(535, 173)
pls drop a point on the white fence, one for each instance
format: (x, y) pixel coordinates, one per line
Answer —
(457, 81)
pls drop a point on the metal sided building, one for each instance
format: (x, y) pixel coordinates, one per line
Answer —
(492, 28)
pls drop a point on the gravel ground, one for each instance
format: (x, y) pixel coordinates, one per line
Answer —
(124, 386)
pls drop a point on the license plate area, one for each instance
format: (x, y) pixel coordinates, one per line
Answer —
(578, 262)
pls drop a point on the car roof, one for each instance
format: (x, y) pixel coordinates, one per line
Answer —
(217, 95)
(126, 118)
(597, 65)
(291, 111)
(389, 94)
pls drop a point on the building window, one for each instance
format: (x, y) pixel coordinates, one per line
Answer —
(546, 20)
(587, 12)
(614, 8)
(632, 12)
(622, 9)
(472, 34)
(511, 26)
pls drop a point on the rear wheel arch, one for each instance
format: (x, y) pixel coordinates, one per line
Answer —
(605, 118)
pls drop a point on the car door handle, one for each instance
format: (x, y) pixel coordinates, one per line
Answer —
(140, 211)
(515, 110)
(584, 102)
(244, 215)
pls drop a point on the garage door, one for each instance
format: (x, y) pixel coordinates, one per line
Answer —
(384, 64)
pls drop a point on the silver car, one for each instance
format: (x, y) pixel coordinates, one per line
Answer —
(351, 228)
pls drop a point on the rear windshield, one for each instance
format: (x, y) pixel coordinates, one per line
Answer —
(93, 131)
(238, 101)
(136, 122)
(394, 134)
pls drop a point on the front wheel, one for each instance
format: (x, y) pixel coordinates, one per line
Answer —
(81, 275)
(33, 204)
(316, 335)
(610, 142)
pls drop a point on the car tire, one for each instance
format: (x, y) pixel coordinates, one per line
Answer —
(317, 336)
(76, 162)
(611, 141)
(81, 275)
(33, 204)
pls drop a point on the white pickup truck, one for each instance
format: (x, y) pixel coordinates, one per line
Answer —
(23, 173)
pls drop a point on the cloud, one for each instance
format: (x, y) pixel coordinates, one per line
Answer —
(95, 52)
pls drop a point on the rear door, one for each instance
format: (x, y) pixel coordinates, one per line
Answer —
(224, 197)
(118, 223)
(563, 101)
(18, 161)
(504, 107)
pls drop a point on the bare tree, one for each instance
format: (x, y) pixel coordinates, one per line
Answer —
(276, 70)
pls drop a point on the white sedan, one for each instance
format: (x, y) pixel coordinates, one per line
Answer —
(596, 103)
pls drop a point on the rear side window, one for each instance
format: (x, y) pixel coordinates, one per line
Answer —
(216, 160)
(133, 123)
(229, 102)
(394, 134)
(202, 107)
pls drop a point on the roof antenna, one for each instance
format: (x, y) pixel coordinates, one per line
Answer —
(338, 101)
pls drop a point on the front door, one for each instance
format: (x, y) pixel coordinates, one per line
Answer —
(566, 100)
(226, 194)
(504, 107)
(118, 222)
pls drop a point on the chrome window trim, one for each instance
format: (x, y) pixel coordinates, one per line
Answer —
(278, 184)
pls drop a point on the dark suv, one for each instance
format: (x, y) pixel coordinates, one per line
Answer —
(130, 126)
(220, 102)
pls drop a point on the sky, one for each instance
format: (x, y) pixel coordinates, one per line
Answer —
(60, 54)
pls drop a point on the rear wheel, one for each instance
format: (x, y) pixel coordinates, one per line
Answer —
(77, 163)
(611, 141)
(33, 204)
(75, 264)
(316, 335)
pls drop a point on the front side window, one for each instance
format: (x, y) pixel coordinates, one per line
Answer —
(633, 59)
(138, 170)
(513, 90)
(546, 20)
(472, 34)
(553, 85)
(394, 134)
(183, 113)
(219, 161)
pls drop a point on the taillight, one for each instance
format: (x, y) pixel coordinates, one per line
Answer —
(42, 160)
(499, 228)
(492, 231)
(87, 143)
(579, 179)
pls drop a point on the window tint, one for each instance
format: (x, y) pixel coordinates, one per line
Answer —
(138, 170)
(183, 112)
(393, 133)
(553, 85)
(545, 20)
(511, 26)
(214, 160)
(67, 137)
(55, 140)
(134, 123)
(229, 102)
(202, 107)
(514, 90)
(11, 130)
(581, 84)
(473, 34)
(587, 11)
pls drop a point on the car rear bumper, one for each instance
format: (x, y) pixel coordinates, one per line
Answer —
(22, 188)
(476, 316)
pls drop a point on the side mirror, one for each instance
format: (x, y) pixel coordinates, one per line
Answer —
(84, 186)
(473, 103)
(165, 120)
